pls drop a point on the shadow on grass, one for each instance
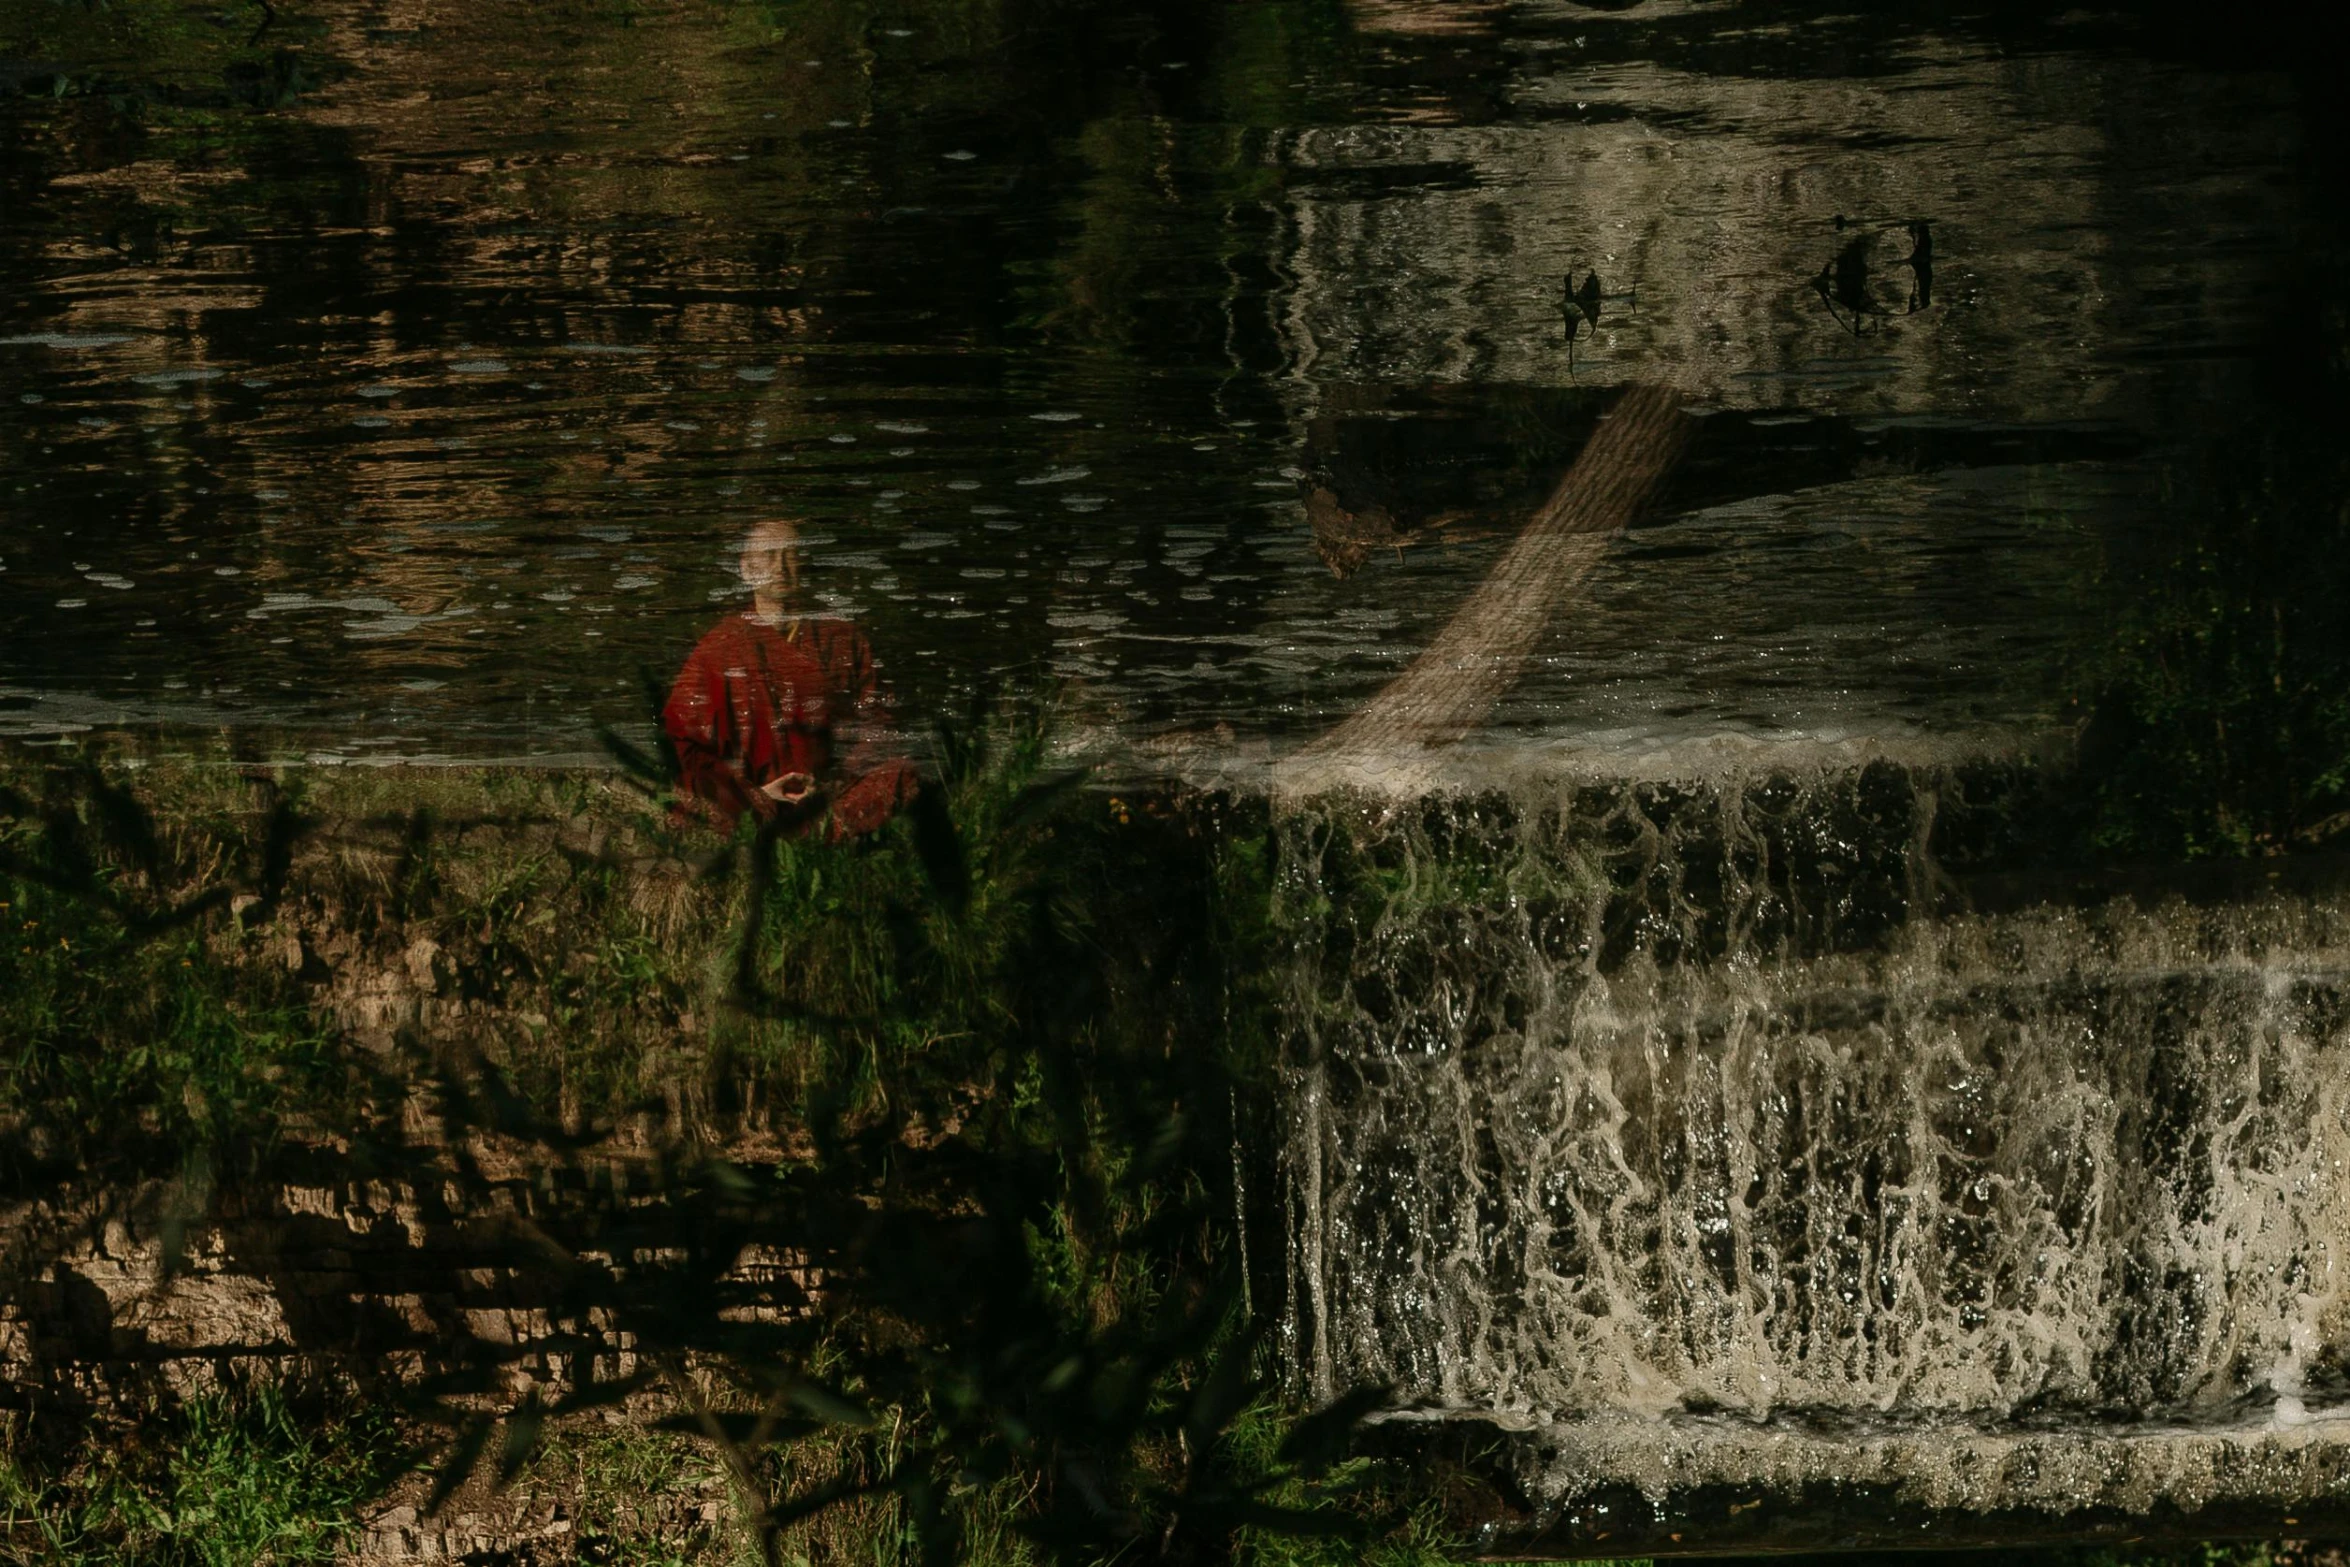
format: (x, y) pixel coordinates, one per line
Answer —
(993, 1288)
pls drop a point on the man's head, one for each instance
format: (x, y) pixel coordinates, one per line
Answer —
(770, 563)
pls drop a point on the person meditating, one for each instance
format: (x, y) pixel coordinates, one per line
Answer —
(779, 714)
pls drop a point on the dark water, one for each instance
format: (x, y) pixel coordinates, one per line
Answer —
(400, 379)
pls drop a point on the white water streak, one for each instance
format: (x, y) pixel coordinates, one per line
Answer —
(2083, 1162)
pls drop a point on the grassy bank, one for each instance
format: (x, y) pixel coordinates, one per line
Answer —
(213, 1482)
(984, 1098)
(883, 1201)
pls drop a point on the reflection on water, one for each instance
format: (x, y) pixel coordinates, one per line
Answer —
(1580, 309)
(417, 404)
(1450, 689)
(1849, 287)
(784, 715)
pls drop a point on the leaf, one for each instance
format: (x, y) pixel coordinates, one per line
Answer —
(813, 1501)
(286, 826)
(639, 765)
(744, 1430)
(463, 1458)
(128, 827)
(180, 913)
(69, 869)
(1322, 1438)
(1325, 1522)
(1229, 1387)
(601, 1395)
(940, 847)
(936, 1531)
(1039, 800)
(656, 693)
(727, 1178)
(830, 1407)
(523, 1429)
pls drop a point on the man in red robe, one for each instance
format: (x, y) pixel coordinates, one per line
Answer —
(779, 714)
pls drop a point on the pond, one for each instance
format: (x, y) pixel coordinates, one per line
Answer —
(400, 382)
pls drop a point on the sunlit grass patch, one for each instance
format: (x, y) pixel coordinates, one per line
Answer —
(639, 1497)
(224, 1480)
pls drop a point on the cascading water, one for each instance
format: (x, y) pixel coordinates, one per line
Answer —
(1719, 1133)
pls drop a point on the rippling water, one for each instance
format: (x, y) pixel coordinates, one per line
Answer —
(401, 379)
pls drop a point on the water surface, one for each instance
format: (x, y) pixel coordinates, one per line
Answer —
(399, 380)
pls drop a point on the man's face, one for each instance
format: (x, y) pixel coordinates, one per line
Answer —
(771, 566)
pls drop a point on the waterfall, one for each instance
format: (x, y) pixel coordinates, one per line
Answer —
(1656, 1116)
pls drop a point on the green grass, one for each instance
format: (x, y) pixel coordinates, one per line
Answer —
(1012, 1046)
(133, 1034)
(638, 1497)
(1004, 1028)
(221, 1481)
(2218, 703)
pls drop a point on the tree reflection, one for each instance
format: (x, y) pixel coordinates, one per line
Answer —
(1580, 309)
(1850, 286)
(1921, 265)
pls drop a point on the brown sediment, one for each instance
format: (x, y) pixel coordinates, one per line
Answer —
(1453, 685)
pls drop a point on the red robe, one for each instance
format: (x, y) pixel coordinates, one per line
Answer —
(755, 703)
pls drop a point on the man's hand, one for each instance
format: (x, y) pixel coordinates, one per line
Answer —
(790, 789)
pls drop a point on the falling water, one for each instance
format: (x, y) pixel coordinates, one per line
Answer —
(1725, 1131)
